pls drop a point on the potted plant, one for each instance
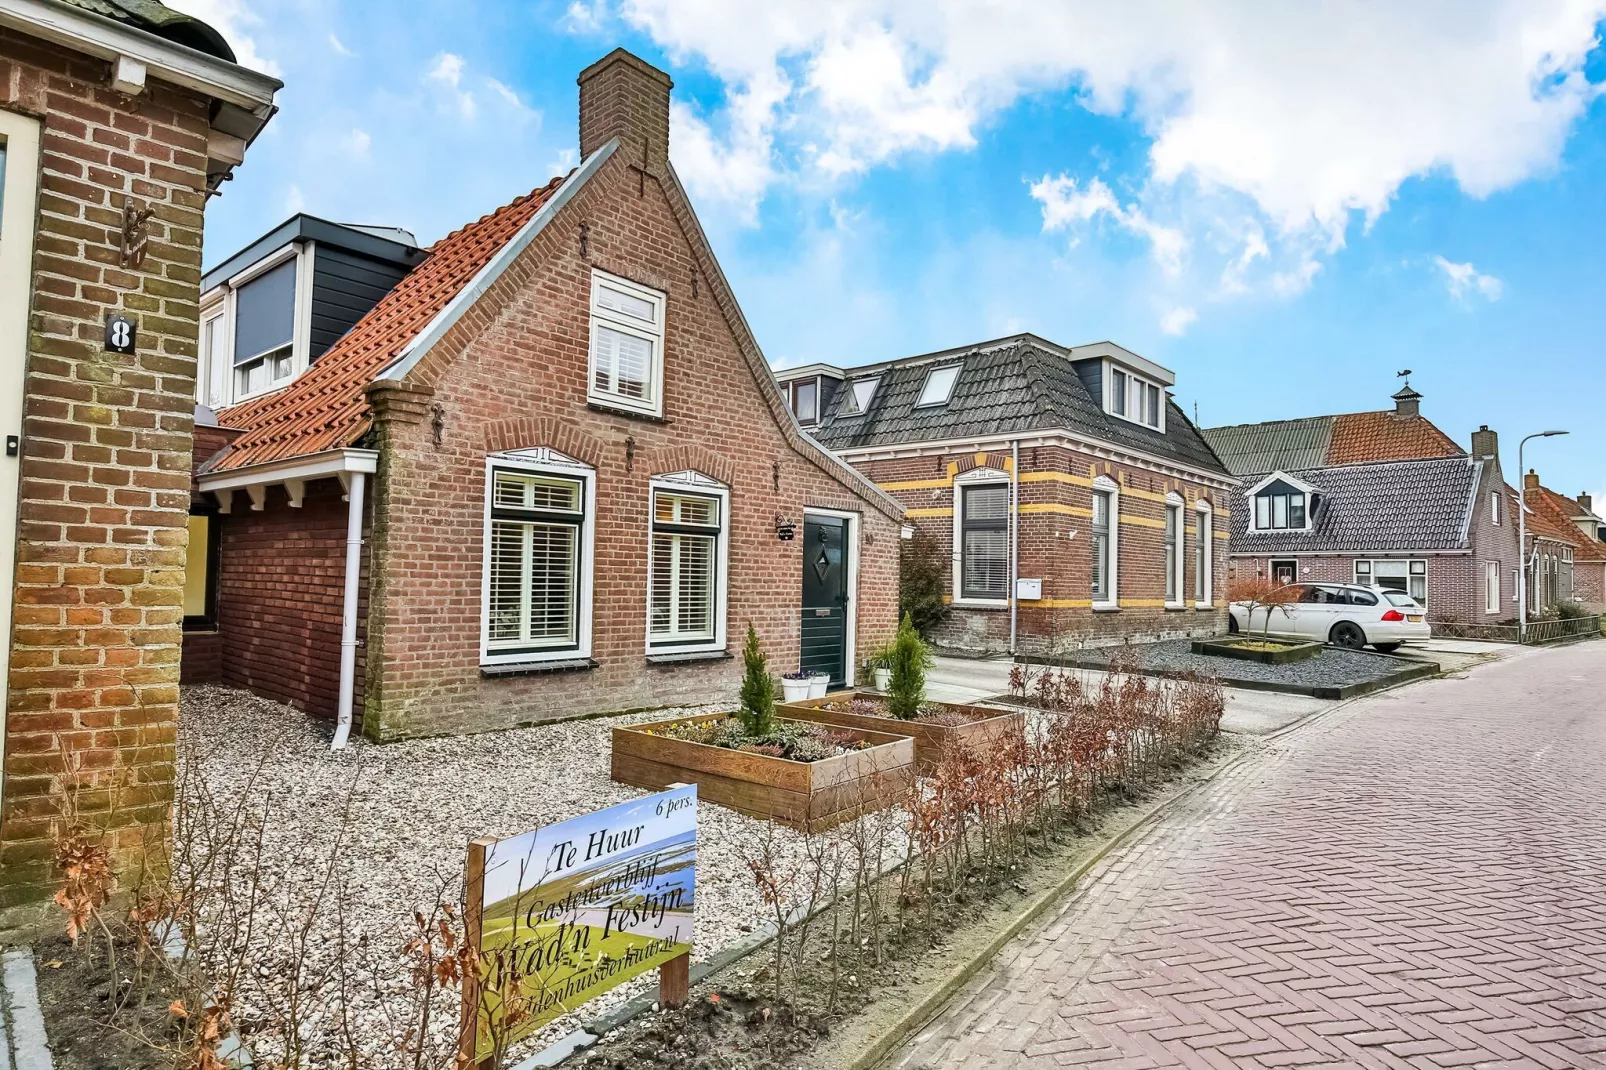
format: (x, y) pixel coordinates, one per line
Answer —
(903, 708)
(877, 667)
(795, 686)
(818, 683)
(799, 772)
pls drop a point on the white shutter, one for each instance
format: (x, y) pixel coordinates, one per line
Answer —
(684, 565)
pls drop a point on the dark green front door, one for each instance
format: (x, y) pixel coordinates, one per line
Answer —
(825, 597)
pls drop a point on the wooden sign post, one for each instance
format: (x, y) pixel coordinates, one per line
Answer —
(473, 909)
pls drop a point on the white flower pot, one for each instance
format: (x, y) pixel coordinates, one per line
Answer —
(883, 678)
(796, 690)
(818, 682)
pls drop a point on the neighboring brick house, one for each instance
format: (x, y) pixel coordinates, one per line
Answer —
(1567, 559)
(1381, 498)
(117, 120)
(1073, 500)
(584, 484)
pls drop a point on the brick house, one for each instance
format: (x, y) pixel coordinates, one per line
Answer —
(1382, 498)
(1072, 500)
(547, 474)
(1566, 556)
(116, 123)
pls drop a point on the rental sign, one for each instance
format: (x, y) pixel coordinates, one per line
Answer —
(566, 912)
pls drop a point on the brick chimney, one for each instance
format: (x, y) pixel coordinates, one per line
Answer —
(1530, 480)
(624, 97)
(1407, 402)
(1586, 503)
(1485, 443)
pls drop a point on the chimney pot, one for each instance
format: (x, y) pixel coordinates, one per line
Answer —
(1530, 480)
(623, 96)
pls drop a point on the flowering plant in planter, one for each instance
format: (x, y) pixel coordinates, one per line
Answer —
(795, 685)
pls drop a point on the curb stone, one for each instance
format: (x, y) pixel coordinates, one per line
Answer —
(26, 1047)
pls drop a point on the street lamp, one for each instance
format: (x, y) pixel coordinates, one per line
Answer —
(1522, 536)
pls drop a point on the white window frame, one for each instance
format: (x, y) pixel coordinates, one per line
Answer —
(693, 483)
(542, 461)
(925, 384)
(653, 403)
(1252, 498)
(1491, 586)
(1132, 403)
(214, 368)
(854, 523)
(1494, 508)
(870, 383)
(1411, 573)
(1174, 507)
(305, 254)
(1112, 601)
(1204, 540)
(973, 478)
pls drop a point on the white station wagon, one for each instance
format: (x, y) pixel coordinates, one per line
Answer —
(1344, 614)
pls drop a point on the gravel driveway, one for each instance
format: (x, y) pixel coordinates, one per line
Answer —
(1333, 667)
(413, 806)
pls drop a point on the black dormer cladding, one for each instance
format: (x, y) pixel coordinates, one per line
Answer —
(345, 286)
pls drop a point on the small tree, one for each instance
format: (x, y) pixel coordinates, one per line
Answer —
(758, 688)
(1258, 592)
(921, 574)
(908, 659)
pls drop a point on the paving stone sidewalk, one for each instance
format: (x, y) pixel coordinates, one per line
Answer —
(1416, 880)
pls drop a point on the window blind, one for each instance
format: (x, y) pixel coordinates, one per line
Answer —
(684, 565)
(535, 561)
(265, 312)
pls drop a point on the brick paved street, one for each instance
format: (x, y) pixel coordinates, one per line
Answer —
(1418, 879)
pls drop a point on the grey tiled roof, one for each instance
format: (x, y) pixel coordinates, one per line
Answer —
(1014, 386)
(161, 20)
(1276, 445)
(1399, 505)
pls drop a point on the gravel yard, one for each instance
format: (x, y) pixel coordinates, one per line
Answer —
(1333, 667)
(410, 808)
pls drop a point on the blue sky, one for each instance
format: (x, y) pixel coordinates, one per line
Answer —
(1286, 205)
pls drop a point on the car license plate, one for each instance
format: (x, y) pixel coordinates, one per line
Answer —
(1414, 619)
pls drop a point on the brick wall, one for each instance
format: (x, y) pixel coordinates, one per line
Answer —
(1056, 500)
(512, 375)
(106, 455)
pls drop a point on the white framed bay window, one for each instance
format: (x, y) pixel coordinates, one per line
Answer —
(627, 345)
(687, 570)
(540, 511)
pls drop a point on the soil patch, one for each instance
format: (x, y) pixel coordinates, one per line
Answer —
(76, 992)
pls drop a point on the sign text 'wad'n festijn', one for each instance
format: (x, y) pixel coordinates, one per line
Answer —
(564, 913)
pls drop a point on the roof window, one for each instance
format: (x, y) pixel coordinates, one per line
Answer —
(938, 386)
(860, 392)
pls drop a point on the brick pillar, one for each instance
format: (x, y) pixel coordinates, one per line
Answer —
(105, 465)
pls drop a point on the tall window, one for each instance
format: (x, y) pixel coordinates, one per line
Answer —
(1173, 554)
(1491, 587)
(1494, 508)
(1103, 547)
(1204, 557)
(535, 564)
(200, 574)
(806, 401)
(984, 541)
(264, 331)
(214, 351)
(684, 583)
(1118, 392)
(627, 342)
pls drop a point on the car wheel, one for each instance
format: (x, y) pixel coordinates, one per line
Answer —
(1385, 648)
(1232, 624)
(1347, 635)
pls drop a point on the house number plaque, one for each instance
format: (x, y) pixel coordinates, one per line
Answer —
(121, 334)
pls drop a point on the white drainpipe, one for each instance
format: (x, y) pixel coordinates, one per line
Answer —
(348, 609)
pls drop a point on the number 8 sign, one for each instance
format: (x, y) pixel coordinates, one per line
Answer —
(120, 334)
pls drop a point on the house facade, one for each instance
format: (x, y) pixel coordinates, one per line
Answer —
(1070, 498)
(547, 474)
(116, 124)
(1381, 498)
(1566, 556)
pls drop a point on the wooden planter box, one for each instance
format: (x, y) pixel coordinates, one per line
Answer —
(989, 728)
(806, 795)
(1234, 648)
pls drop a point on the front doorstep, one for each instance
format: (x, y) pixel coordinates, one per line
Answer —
(989, 729)
(1231, 648)
(805, 795)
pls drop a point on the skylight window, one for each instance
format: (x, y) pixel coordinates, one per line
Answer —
(939, 385)
(860, 391)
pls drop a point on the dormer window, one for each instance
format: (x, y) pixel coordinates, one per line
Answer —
(806, 401)
(1282, 503)
(264, 331)
(1134, 398)
(939, 385)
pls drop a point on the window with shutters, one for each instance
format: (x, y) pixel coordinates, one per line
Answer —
(627, 345)
(537, 560)
(686, 564)
(984, 542)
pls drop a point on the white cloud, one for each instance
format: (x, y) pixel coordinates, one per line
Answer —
(336, 44)
(234, 21)
(358, 143)
(446, 70)
(1464, 280)
(505, 92)
(1177, 321)
(584, 17)
(1065, 206)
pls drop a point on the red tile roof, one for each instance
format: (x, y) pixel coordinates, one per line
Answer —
(1553, 513)
(326, 408)
(1365, 437)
